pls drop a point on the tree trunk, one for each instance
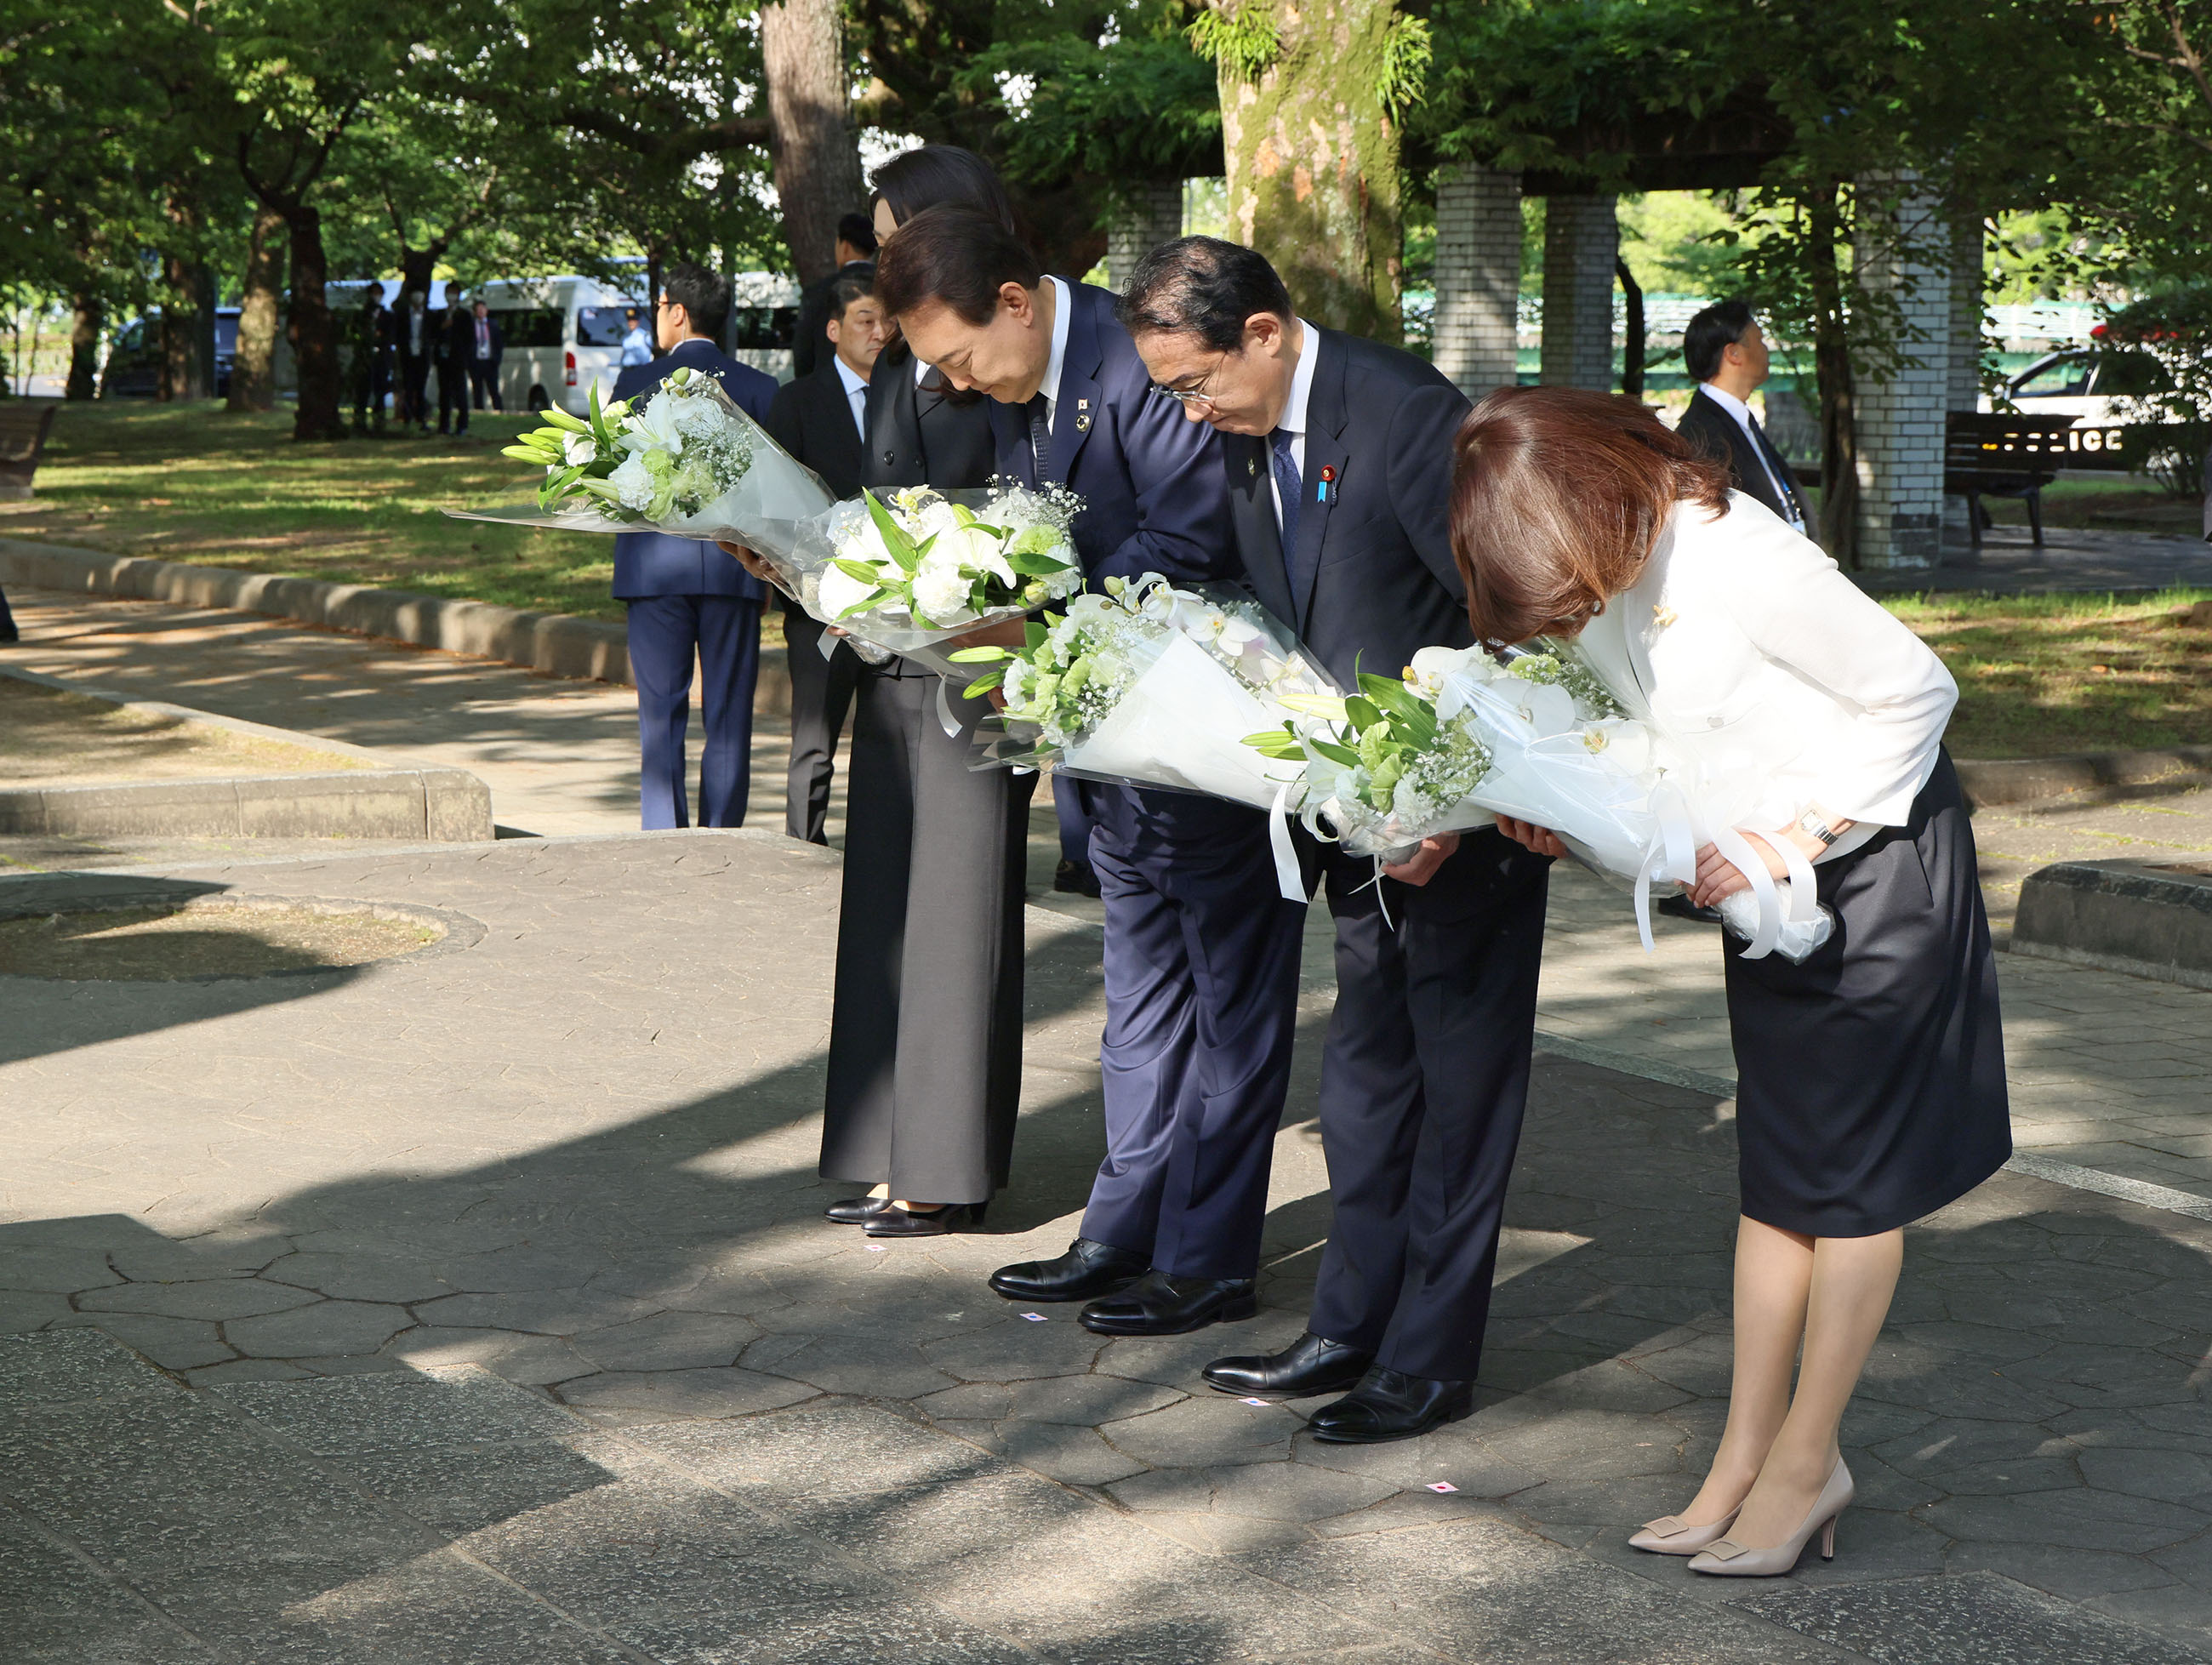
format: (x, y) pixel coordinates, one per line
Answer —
(1313, 163)
(254, 362)
(180, 376)
(1831, 364)
(84, 347)
(314, 333)
(818, 156)
(1632, 347)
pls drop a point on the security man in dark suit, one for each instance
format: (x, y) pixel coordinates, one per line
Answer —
(821, 419)
(1339, 454)
(687, 597)
(1726, 353)
(1200, 951)
(856, 255)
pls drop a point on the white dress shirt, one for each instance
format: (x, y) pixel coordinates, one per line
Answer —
(1061, 302)
(1753, 655)
(856, 394)
(1737, 408)
(1293, 422)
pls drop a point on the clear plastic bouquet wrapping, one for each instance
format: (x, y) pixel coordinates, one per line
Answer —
(689, 463)
(1151, 685)
(907, 570)
(1539, 739)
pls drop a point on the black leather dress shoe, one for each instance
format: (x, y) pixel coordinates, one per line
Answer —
(1158, 1304)
(1076, 879)
(893, 1221)
(1389, 1405)
(854, 1210)
(1311, 1365)
(1087, 1270)
(1678, 906)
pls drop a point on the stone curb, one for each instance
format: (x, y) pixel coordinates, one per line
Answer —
(2031, 780)
(2148, 919)
(551, 644)
(449, 805)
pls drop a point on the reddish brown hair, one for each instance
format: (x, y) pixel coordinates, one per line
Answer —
(1558, 496)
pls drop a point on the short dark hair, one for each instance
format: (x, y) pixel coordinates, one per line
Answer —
(848, 288)
(935, 174)
(1711, 333)
(958, 255)
(856, 229)
(704, 295)
(1205, 286)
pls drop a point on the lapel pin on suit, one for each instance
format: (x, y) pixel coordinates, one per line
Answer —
(1328, 479)
(1083, 416)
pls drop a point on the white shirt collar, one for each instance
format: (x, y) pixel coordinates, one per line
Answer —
(852, 382)
(1301, 378)
(1062, 304)
(1729, 402)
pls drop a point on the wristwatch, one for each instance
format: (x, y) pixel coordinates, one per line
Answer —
(1812, 823)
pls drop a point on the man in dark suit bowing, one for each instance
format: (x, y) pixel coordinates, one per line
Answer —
(687, 598)
(1726, 353)
(821, 419)
(1339, 454)
(1201, 951)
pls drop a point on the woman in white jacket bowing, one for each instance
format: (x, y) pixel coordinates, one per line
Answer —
(1870, 1079)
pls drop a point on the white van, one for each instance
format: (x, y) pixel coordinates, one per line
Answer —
(563, 335)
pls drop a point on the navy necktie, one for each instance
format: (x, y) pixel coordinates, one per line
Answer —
(1289, 487)
(1040, 436)
(1792, 510)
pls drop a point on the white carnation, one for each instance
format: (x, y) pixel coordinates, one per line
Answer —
(632, 484)
(839, 591)
(941, 593)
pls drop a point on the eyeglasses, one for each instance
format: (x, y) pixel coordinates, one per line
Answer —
(1193, 399)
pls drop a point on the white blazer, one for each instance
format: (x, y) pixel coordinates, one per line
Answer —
(1755, 660)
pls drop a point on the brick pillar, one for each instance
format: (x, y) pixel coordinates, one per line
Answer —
(1146, 214)
(1901, 421)
(1581, 239)
(1478, 277)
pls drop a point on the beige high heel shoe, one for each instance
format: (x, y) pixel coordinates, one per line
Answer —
(1670, 1534)
(1730, 1559)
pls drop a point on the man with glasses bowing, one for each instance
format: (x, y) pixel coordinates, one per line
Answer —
(1339, 454)
(1201, 951)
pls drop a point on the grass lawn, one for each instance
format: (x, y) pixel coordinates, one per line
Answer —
(193, 483)
(2038, 675)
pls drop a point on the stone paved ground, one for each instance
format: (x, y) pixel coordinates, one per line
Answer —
(478, 1309)
(2071, 558)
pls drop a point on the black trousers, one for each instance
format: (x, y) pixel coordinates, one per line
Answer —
(414, 384)
(820, 694)
(1423, 1081)
(453, 397)
(926, 1040)
(484, 382)
(8, 630)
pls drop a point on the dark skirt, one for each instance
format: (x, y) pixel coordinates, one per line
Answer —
(1870, 1080)
(925, 1035)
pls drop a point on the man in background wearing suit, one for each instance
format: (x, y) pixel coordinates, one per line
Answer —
(856, 254)
(452, 362)
(486, 347)
(1339, 454)
(1201, 951)
(1726, 353)
(687, 597)
(821, 419)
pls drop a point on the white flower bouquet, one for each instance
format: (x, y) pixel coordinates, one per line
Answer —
(909, 569)
(687, 462)
(1150, 685)
(1539, 739)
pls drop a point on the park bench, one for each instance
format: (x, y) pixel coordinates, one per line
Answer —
(23, 426)
(1990, 454)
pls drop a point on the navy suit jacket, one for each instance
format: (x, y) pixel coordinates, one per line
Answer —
(1153, 502)
(650, 563)
(1372, 577)
(1152, 482)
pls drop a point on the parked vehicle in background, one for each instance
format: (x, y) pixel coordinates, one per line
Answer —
(134, 361)
(764, 311)
(2102, 386)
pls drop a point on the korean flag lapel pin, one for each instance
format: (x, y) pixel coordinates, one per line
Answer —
(1327, 488)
